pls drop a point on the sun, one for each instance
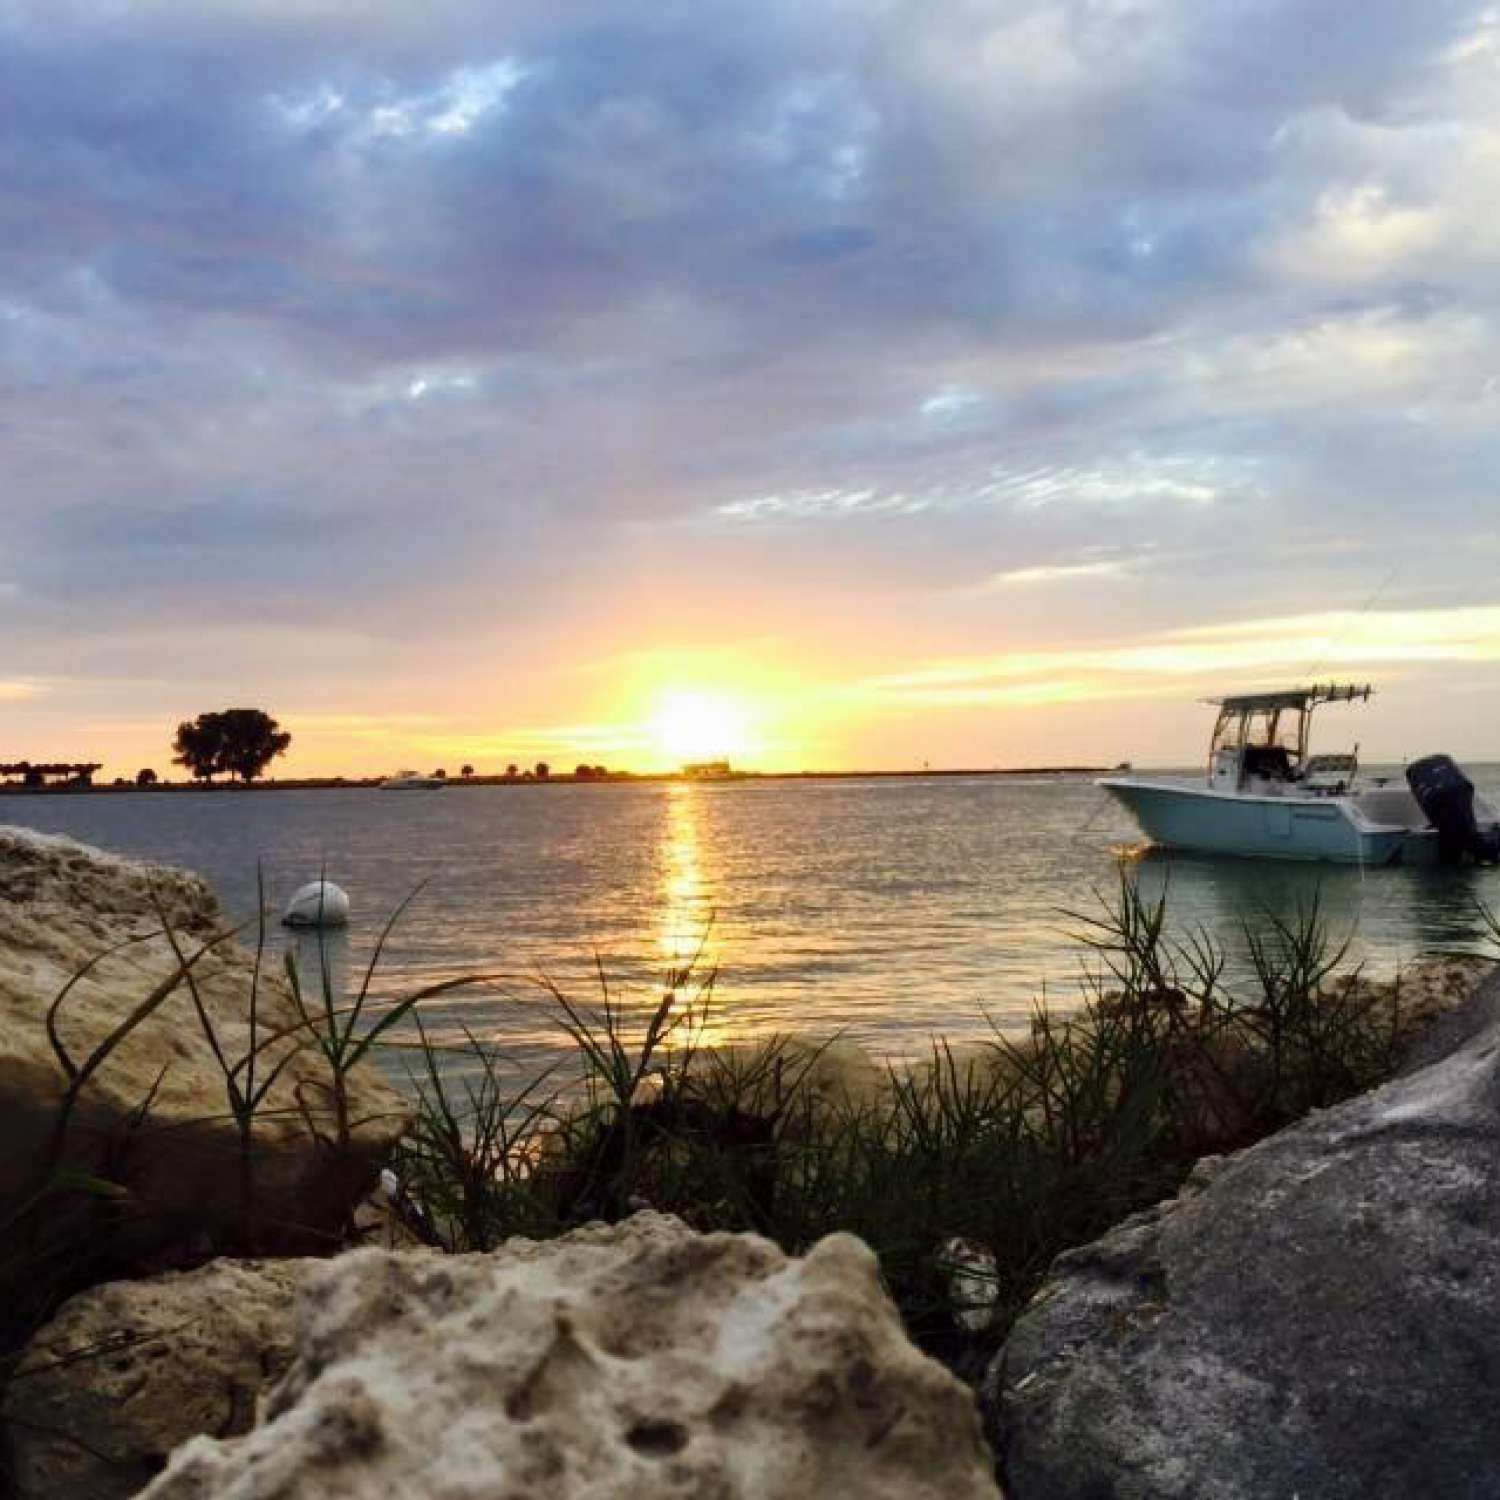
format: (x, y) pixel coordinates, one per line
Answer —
(694, 725)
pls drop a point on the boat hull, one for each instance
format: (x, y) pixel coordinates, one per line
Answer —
(1301, 828)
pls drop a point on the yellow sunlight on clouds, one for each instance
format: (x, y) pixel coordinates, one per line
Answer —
(1275, 652)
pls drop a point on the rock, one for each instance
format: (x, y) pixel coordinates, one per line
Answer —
(126, 1372)
(1424, 991)
(973, 1282)
(1433, 993)
(1316, 1316)
(152, 1138)
(634, 1360)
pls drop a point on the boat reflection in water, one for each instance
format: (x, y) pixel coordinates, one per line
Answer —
(1398, 913)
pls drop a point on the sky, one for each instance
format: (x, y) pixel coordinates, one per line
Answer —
(824, 384)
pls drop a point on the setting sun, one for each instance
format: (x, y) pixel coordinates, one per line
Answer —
(696, 725)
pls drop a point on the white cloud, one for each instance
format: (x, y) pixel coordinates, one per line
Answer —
(822, 128)
(1062, 573)
(1137, 479)
(429, 386)
(308, 111)
(452, 107)
(808, 505)
(951, 404)
(1357, 233)
(1253, 652)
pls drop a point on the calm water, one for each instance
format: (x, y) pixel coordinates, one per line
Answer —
(890, 910)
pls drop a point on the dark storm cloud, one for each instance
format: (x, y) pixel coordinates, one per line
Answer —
(962, 287)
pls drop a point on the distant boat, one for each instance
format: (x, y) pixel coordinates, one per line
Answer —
(1265, 795)
(412, 781)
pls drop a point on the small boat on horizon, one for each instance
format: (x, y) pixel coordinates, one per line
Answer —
(1265, 795)
(413, 781)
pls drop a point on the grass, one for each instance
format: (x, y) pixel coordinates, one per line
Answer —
(982, 1163)
(1001, 1155)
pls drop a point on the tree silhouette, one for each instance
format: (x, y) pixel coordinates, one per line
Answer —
(198, 744)
(145, 777)
(543, 770)
(240, 741)
(466, 772)
(512, 771)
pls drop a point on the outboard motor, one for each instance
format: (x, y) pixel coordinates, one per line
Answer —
(1446, 795)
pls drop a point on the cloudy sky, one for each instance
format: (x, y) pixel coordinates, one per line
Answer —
(864, 384)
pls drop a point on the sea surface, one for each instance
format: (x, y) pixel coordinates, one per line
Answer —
(889, 911)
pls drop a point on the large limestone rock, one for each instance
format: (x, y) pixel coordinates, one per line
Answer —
(1316, 1316)
(635, 1362)
(154, 1120)
(126, 1372)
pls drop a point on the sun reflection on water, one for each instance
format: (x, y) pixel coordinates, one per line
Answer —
(685, 927)
(684, 924)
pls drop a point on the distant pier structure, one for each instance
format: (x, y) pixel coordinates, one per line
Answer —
(707, 770)
(52, 773)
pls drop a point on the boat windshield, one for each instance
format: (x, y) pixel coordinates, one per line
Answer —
(1268, 742)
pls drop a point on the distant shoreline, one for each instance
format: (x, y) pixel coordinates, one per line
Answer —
(621, 778)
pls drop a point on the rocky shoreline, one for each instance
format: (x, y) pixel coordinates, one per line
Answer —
(1315, 1315)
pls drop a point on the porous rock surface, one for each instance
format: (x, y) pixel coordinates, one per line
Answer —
(126, 1372)
(69, 912)
(1318, 1315)
(639, 1360)
(1430, 987)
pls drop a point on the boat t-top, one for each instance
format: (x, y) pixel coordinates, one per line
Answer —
(1265, 794)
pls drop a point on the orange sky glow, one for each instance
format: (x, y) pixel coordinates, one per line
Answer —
(772, 707)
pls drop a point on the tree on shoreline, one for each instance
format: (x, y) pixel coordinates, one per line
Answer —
(239, 741)
(196, 746)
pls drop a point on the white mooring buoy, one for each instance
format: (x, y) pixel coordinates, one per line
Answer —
(319, 903)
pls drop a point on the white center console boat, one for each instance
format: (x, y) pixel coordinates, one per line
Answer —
(1266, 795)
(412, 781)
